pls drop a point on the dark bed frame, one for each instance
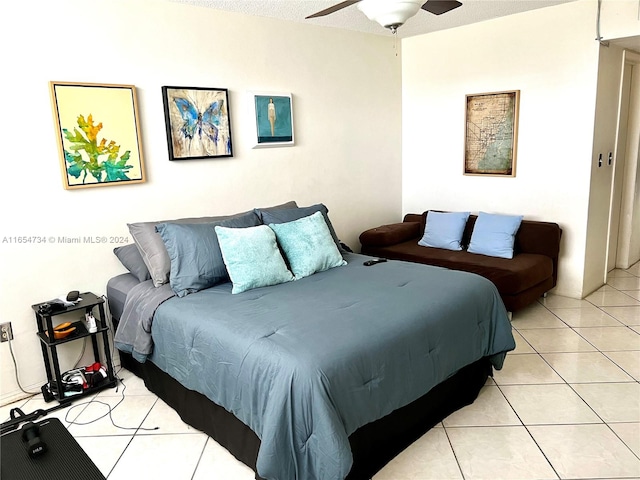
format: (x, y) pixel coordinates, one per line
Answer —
(372, 445)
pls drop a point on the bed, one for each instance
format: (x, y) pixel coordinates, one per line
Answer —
(326, 367)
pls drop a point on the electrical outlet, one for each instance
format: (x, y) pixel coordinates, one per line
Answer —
(6, 332)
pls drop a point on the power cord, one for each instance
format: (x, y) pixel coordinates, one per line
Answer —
(84, 346)
(109, 322)
(109, 411)
(15, 366)
(15, 371)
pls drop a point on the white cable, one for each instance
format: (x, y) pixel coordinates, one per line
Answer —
(598, 36)
(84, 346)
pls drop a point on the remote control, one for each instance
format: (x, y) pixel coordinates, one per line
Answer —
(368, 263)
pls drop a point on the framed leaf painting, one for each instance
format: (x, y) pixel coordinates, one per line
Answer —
(98, 134)
(197, 122)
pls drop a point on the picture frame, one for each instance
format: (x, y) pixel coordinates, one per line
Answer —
(198, 122)
(273, 115)
(491, 133)
(98, 134)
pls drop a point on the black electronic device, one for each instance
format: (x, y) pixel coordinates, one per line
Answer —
(374, 261)
(73, 296)
(51, 306)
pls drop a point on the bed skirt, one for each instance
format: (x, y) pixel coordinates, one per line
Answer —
(372, 445)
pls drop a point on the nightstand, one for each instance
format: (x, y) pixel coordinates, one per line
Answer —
(50, 344)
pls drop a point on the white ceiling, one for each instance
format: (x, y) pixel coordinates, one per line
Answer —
(351, 18)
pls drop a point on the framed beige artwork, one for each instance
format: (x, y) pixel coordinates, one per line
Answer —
(491, 133)
(98, 134)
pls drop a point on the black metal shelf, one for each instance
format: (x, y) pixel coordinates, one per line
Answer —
(49, 344)
(80, 332)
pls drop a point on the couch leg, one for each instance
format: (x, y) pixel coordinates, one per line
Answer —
(510, 316)
(544, 295)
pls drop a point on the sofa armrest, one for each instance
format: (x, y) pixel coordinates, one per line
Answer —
(542, 238)
(392, 234)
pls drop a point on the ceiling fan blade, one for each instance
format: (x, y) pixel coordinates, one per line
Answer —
(335, 8)
(438, 7)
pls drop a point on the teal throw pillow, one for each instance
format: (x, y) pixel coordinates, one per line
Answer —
(252, 257)
(308, 245)
(494, 235)
(444, 230)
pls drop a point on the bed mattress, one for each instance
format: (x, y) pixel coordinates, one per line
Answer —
(118, 288)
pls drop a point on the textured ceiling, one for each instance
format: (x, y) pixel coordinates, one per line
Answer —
(351, 18)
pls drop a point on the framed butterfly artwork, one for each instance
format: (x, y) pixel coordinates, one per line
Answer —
(198, 122)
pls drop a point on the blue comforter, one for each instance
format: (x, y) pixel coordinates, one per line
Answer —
(306, 363)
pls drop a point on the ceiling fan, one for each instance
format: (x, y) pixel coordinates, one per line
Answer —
(392, 14)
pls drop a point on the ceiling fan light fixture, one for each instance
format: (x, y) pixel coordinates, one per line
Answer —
(390, 14)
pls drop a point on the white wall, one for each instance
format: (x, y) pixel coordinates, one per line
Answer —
(346, 96)
(550, 56)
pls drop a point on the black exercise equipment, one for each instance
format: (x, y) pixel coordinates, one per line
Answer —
(31, 435)
(62, 458)
(18, 416)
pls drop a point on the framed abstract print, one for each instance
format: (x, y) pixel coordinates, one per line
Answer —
(198, 122)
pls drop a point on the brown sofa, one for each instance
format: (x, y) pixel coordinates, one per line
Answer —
(531, 272)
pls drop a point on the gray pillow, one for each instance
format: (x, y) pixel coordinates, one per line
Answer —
(196, 259)
(130, 257)
(291, 214)
(152, 249)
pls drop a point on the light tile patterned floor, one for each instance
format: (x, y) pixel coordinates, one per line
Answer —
(566, 405)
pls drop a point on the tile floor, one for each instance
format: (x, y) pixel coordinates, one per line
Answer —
(566, 405)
